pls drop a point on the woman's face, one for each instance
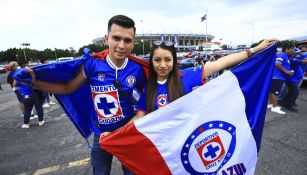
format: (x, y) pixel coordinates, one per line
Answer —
(163, 62)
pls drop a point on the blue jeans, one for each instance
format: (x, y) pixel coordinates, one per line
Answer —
(292, 94)
(101, 160)
(29, 102)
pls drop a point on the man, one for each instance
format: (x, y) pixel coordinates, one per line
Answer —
(281, 71)
(112, 81)
(293, 82)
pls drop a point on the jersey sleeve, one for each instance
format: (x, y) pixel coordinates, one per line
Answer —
(296, 61)
(88, 66)
(141, 79)
(192, 76)
(279, 58)
(142, 102)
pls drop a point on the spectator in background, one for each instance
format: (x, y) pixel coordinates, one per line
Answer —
(14, 66)
(281, 71)
(293, 82)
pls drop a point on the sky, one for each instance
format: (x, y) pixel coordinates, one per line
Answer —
(74, 23)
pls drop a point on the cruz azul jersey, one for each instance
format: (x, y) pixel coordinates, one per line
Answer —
(190, 77)
(284, 61)
(112, 90)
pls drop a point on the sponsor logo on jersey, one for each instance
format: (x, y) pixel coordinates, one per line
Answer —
(107, 104)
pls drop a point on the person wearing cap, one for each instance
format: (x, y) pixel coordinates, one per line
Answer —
(293, 82)
(281, 71)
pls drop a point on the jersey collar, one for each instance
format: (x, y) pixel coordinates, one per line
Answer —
(113, 66)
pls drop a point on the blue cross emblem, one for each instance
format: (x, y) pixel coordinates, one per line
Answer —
(211, 151)
(105, 106)
(162, 101)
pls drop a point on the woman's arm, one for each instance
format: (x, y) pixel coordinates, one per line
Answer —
(233, 59)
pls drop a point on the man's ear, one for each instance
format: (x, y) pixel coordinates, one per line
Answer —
(106, 39)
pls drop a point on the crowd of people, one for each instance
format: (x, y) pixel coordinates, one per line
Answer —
(287, 78)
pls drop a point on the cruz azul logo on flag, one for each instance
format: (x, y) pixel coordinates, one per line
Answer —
(209, 148)
(107, 107)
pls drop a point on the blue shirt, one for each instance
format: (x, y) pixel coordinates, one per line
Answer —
(296, 65)
(23, 89)
(111, 91)
(190, 77)
(283, 60)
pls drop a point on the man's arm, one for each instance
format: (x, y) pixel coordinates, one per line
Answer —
(282, 69)
(59, 88)
(233, 59)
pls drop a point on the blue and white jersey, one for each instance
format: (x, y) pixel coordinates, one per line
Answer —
(283, 60)
(190, 77)
(111, 90)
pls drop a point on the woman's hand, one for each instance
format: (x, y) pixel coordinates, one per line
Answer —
(264, 44)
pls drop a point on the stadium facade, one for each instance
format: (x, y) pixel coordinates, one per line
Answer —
(183, 42)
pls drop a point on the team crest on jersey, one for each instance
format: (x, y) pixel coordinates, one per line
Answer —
(162, 100)
(131, 80)
(209, 148)
(107, 107)
(101, 76)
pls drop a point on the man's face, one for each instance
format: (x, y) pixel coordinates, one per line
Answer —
(120, 41)
(289, 51)
(304, 49)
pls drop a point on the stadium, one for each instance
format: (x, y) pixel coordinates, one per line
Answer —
(183, 42)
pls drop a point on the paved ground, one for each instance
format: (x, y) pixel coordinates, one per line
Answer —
(57, 148)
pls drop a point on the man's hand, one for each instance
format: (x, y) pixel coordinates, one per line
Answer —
(290, 73)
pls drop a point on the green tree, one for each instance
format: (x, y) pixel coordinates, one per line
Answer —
(93, 48)
(138, 47)
(224, 47)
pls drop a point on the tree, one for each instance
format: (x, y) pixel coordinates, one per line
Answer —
(138, 47)
(93, 48)
(224, 47)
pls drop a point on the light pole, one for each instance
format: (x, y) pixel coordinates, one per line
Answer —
(143, 37)
(24, 52)
(56, 57)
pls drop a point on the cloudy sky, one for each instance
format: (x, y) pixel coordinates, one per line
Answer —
(74, 23)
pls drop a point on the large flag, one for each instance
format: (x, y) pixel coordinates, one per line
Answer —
(215, 129)
(203, 18)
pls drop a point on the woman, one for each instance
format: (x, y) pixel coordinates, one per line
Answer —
(166, 84)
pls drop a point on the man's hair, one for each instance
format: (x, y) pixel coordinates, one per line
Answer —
(287, 45)
(302, 46)
(123, 21)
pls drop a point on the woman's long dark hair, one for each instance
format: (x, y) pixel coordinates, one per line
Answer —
(174, 84)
